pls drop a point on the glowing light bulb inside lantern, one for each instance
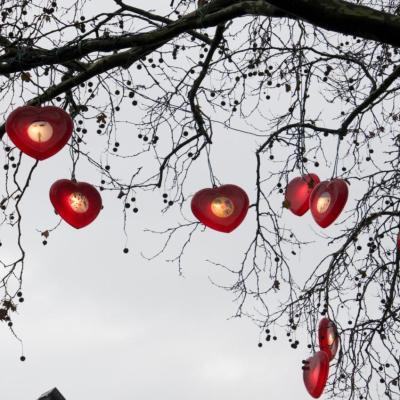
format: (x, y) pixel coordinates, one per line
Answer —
(323, 202)
(40, 131)
(78, 202)
(222, 207)
(331, 337)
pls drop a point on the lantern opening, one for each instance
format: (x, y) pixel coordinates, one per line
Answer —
(323, 202)
(40, 131)
(78, 202)
(222, 207)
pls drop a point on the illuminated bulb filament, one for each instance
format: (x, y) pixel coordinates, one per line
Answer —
(222, 207)
(323, 202)
(78, 202)
(40, 131)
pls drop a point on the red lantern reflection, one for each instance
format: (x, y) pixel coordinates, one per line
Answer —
(327, 201)
(222, 208)
(315, 373)
(78, 203)
(39, 132)
(298, 191)
(328, 337)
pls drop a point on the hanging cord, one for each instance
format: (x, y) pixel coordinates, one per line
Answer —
(212, 178)
(73, 111)
(334, 173)
(75, 157)
(302, 102)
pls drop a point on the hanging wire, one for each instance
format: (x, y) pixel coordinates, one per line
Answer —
(74, 157)
(334, 173)
(212, 177)
(302, 101)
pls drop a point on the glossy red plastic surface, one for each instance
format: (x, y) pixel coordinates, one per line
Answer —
(77, 203)
(19, 121)
(234, 199)
(315, 373)
(298, 191)
(328, 337)
(325, 213)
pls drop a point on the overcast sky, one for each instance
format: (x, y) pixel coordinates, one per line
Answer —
(99, 324)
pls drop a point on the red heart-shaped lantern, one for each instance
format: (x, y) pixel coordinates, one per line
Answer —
(315, 373)
(328, 337)
(39, 132)
(327, 201)
(222, 208)
(298, 191)
(78, 203)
